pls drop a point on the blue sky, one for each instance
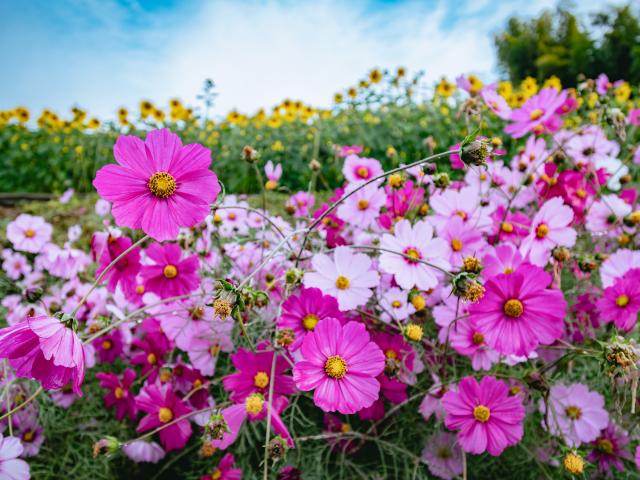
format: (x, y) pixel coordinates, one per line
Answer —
(103, 54)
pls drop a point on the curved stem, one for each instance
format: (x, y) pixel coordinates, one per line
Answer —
(23, 404)
(105, 271)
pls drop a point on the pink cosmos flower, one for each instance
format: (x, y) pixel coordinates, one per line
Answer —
(621, 302)
(488, 419)
(170, 275)
(443, 456)
(158, 185)
(163, 406)
(205, 346)
(609, 449)
(273, 172)
(29, 431)
(358, 169)
(606, 215)
(189, 318)
(418, 243)
(617, 264)
(468, 340)
(15, 265)
(143, 451)
(537, 114)
(462, 239)
(119, 395)
(462, 203)
(395, 305)
(603, 84)
(519, 312)
(28, 233)
(348, 277)
(12, 467)
(348, 150)
(496, 103)
(254, 375)
(505, 259)
(301, 313)
(45, 349)
(64, 262)
(432, 402)
(124, 272)
(363, 207)
(109, 346)
(340, 363)
(579, 413)
(225, 470)
(550, 227)
(300, 203)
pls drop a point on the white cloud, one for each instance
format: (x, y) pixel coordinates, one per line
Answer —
(257, 53)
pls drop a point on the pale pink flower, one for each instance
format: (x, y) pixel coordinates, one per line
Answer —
(28, 233)
(363, 207)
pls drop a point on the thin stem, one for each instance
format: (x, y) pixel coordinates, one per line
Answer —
(265, 473)
(105, 271)
(23, 404)
(243, 328)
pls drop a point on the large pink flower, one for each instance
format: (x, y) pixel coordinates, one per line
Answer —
(340, 364)
(488, 419)
(537, 115)
(158, 185)
(12, 467)
(518, 312)
(621, 302)
(45, 349)
(170, 275)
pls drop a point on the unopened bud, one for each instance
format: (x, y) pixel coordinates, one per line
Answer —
(249, 154)
(413, 332)
(475, 153)
(107, 446)
(216, 427)
(293, 276)
(277, 448)
(315, 165)
(561, 254)
(441, 180)
(573, 463)
(285, 337)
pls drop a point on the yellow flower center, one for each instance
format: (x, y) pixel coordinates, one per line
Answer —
(345, 428)
(363, 172)
(456, 245)
(106, 345)
(27, 436)
(542, 230)
(261, 380)
(253, 404)
(29, 233)
(508, 270)
(414, 332)
(573, 412)
(363, 204)
(605, 446)
(216, 475)
(414, 255)
(165, 415)
(170, 271)
(622, 301)
(461, 214)
(581, 193)
(335, 367)
(271, 185)
(573, 464)
(391, 353)
(118, 393)
(231, 216)
(140, 289)
(342, 282)
(513, 308)
(152, 359)
(310, 321)
(507, 227)
(418, 302)
(162, 184)
(478, 338)
(396, 304)
(482, 413)
(536, 114)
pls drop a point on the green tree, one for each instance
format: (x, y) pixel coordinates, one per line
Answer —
(558, 43)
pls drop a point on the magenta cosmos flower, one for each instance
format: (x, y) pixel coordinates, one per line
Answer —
(170, 275)
(518, 312)
(417, 243)
(253, 376)
(158, 185)
(362, 208)
(28, 233)
(488, 419)
(119, 395)
(12, 467)
(45, 349)
(163, 406)
(609, 449)
(340, 364)
(357, 170)
(301, 313)
(348, 277)
(536, 113)
(579, 413)
(621, 302)
(124, 272)
(225, 470)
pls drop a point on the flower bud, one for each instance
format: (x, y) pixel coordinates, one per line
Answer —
(441, 180)
(249, 154)
(315, 165)
(465, 286)
(471, 264)
(285, 337)
(573, 463)
(216, 427)
(475, 153)
(277, 448)
(293, 276)
(561, 254)
(413, 332)
(107, 446)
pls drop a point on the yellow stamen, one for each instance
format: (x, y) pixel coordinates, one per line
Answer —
(342, 282)
(170, 271)
(536, 114)
(513, 308)
(310, 321)
(622, 301)
(482, 413)
(165, 415)
(335, 367)
(456, 245)
(162, 184)
(542, 230)
(261, 380)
